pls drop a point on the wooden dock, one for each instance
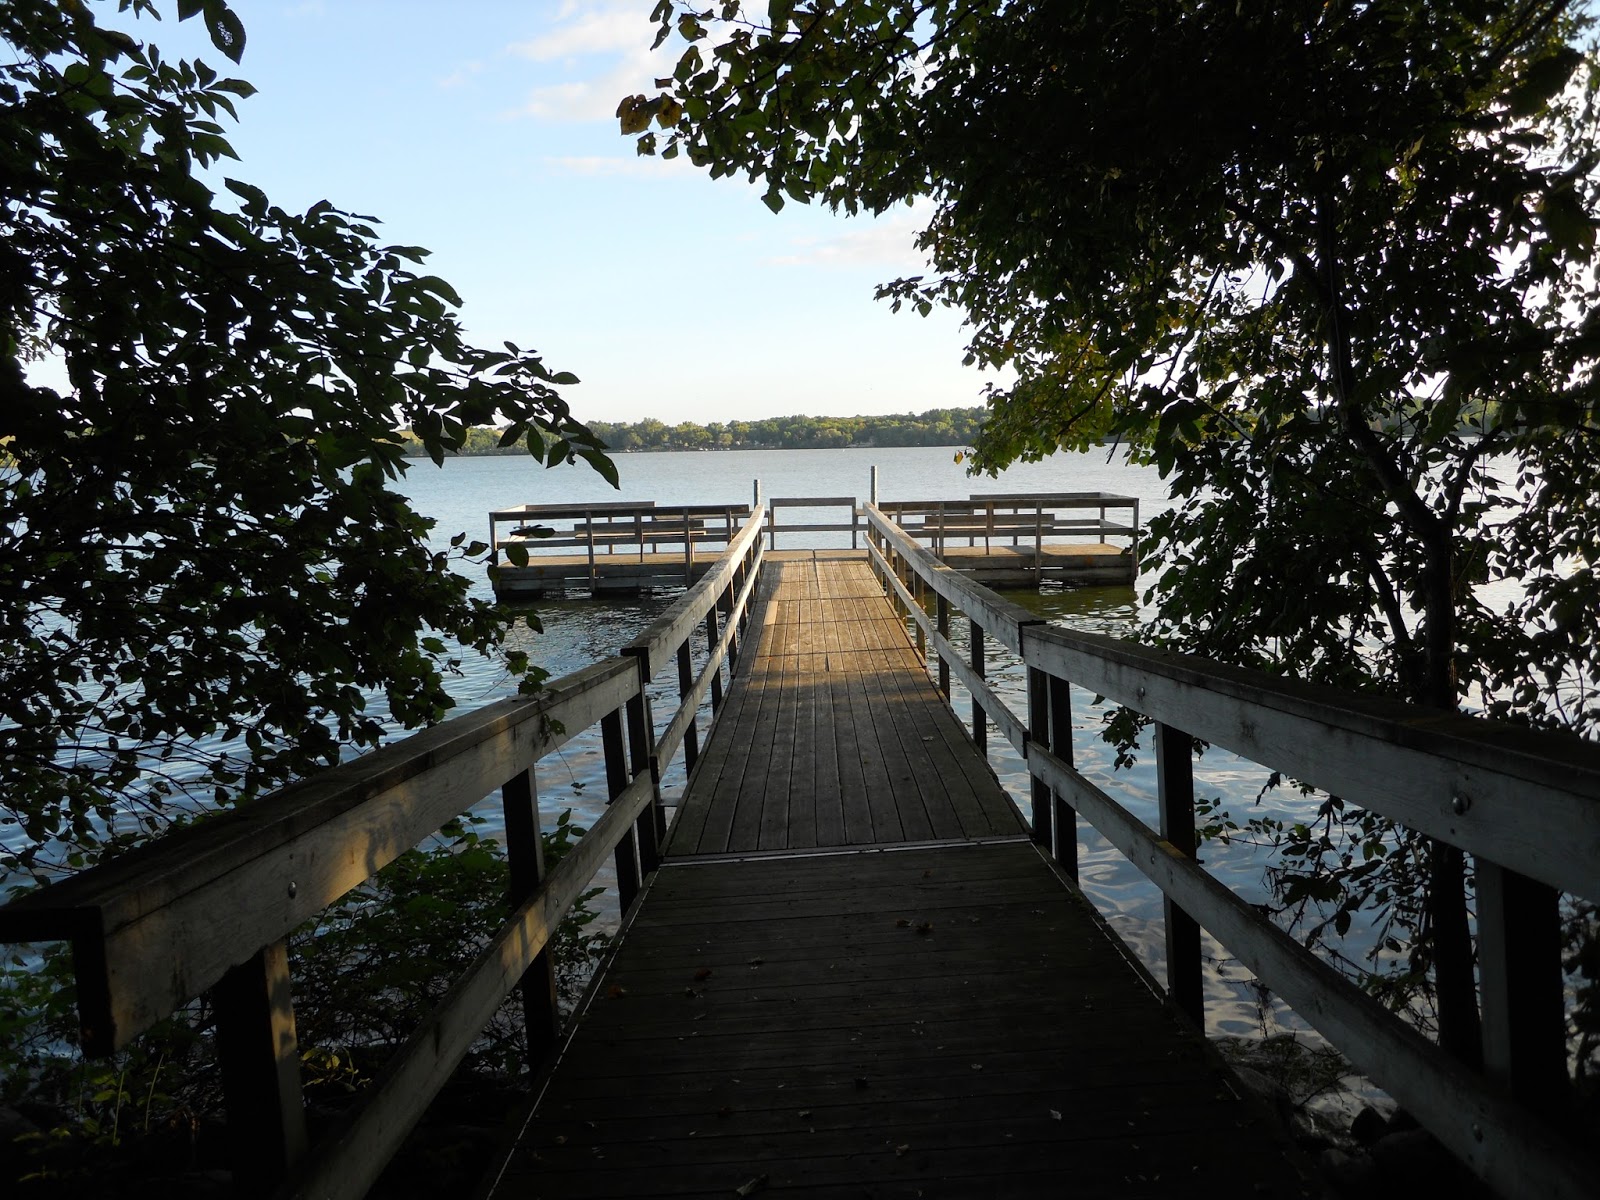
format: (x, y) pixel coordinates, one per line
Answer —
(847, 969)
(853, 974)
(1001, 540)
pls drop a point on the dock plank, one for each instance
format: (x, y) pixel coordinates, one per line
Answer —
(1018, 1052)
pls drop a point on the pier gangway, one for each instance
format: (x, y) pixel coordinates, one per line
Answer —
(851, 964)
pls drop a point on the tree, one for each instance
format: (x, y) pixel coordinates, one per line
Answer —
(1332, 266)
(198, 543)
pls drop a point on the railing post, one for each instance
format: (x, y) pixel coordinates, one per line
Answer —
(260, 1059)
(1064, 819)
(922, 604)
(652, 823)
(691, 735)
(1039, 735)
(1175, 781)
(594, 570)
(1519, 964)
(616, 752)
(688, 550)
(726, 604)
(942, 616)
(716, 675)
(519, 798)
(980, 734)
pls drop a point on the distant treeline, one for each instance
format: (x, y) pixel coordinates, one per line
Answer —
(936, 427)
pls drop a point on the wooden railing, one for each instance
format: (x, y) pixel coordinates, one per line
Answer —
(605, 527)
(209, 908)
(1525, 805)
(852, 527)
(1012, 518)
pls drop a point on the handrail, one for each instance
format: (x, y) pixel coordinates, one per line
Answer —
(853, 527)
(729, 588)
(1526, 805)
(209, 907)
(606, 521)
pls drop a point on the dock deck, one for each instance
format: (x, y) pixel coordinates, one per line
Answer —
(853, 977)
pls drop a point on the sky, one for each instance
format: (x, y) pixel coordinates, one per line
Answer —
(485, 130)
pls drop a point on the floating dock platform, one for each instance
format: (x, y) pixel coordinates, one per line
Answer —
(1080, 539)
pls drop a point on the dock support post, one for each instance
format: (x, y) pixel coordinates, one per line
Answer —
(1524, 1021)
(616, 752)
(1064, 819)
(541, 1016)
(942, 616)
(260, 1070)
(1175, 782)
(980, 735)
(1039, 734)
(873, 488)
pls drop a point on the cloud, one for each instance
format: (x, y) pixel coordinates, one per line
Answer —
(462, 75)
(606, 48)
(596, 30)
(886, 242)
(607, 166)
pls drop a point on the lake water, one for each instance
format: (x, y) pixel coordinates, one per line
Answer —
(460, 495)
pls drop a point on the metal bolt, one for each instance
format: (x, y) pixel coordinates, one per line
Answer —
(1477, 1131)
(1459, 803)
(293, 888)
(1140, 693)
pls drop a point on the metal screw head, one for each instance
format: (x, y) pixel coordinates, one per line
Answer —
(1477, 1131)
(1459, 803)
(1140, 693)
(293, 889)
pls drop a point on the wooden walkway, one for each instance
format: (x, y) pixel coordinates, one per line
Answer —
(855, 977)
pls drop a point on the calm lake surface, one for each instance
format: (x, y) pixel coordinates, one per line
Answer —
(577, 632)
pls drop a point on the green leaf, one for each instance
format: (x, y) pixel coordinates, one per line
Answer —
(227, 31)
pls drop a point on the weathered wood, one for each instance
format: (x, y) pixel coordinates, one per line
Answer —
(1065, 819)
(1499, 1141)
(344, 1166)
(838, 737)
(1174, 754)
(983, 696)
(690, 732)
(658, 643)
(617, 783)
(1524, 1008)
(260, 1060)
(1529, 801)
(1002, 619)
(942, 618)
(144, 926)
(1039, 734)
(980, 736)
(1028, 1048)
(541, 1014)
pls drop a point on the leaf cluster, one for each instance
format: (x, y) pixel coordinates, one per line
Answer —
(208, 585)
(1332, 267)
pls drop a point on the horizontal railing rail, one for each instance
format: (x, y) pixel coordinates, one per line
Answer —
(209, 908)
(1525, 804)
(541, 528)
(723, 595)
(1013, 517)
(774, 526)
